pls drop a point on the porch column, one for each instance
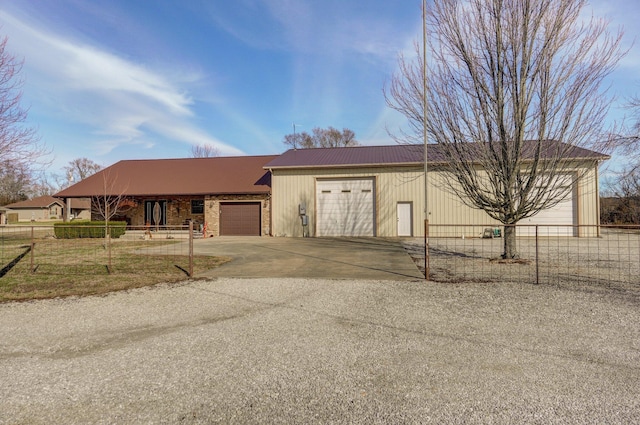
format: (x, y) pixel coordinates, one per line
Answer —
(67, 210)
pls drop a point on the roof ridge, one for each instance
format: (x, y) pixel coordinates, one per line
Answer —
(194, 159)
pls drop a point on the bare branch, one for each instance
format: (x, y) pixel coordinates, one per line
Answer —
(80, 168)
(19, 143)
(322, 138)
(514, 87)
(204, 151)
(108, 204)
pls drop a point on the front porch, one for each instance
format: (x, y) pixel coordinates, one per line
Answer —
(243, 214)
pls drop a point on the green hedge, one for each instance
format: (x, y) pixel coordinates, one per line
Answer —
(88, 229)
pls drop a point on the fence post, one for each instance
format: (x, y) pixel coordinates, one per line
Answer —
(426, 249)
(190, 248)
(33, 245)
(537, 258)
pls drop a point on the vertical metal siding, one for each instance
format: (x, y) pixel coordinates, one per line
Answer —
(400, 184)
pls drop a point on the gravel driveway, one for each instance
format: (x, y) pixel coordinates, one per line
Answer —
(323, 351)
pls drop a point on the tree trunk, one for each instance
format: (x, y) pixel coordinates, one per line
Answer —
(510, 249)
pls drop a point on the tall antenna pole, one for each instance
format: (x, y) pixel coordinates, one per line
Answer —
(294, 137)
(424, 135)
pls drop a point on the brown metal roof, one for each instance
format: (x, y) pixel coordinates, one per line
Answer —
(186, 176)
(350, 156)
(81, 203)
(39, 202)
(362, 156)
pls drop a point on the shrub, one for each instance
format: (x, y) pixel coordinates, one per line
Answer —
(88, 229)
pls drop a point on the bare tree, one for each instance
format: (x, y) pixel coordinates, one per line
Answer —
(622, 205)
(107, 205)
(322, 138)
(79, 169)
(19, 144)
(15, 182)
(42, 186)
(204, 151)
(628, 141)
(514, 86)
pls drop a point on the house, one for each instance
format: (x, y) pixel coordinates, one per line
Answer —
(36, 209)
(232, 195)
(348, 191)
(80, 208)
(379, 191)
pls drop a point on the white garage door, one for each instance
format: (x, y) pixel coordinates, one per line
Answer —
(555, 221)
(345, 207)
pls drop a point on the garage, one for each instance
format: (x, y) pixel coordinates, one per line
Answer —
(555, 221)
(345, 207)
(240, 219)
(330, 181)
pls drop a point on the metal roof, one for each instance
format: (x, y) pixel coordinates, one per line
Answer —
(350, 156)
(362, 156)
(247, 175)
(39, 202)
(185, 176)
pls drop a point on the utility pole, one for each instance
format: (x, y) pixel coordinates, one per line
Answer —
(424, 135)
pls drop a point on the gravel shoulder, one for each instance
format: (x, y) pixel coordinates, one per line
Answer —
(323, 351)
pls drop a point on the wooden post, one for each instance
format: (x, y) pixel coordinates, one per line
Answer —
(33, 245)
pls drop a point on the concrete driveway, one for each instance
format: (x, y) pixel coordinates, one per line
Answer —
(332, 258)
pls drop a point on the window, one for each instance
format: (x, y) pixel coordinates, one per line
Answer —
(197, 206)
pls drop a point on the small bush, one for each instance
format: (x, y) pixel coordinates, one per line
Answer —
(88, 229)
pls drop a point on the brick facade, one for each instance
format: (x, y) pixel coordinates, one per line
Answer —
(179, 211)
(212, 211)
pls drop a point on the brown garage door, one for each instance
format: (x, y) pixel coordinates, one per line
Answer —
(240, 219)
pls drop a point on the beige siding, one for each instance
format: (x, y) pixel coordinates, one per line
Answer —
(587, 203)
(290, 188)
(392, 185)
(38, 214)
(400, 184)
(449, 216)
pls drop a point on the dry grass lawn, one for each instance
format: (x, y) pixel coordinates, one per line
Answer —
(78, 267)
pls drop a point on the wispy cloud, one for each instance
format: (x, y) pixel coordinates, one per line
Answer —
(121, 100)
(303, 26)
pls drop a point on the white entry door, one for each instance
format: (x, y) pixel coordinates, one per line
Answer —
(405, 222)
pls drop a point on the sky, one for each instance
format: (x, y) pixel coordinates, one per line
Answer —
(135, 79)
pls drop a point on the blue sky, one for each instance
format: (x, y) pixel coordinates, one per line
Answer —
(125, 79)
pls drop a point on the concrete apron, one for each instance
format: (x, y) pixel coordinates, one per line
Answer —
(332, 258)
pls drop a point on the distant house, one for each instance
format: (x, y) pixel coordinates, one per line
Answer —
(230, 194)
(80, 208)
(36, 209)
